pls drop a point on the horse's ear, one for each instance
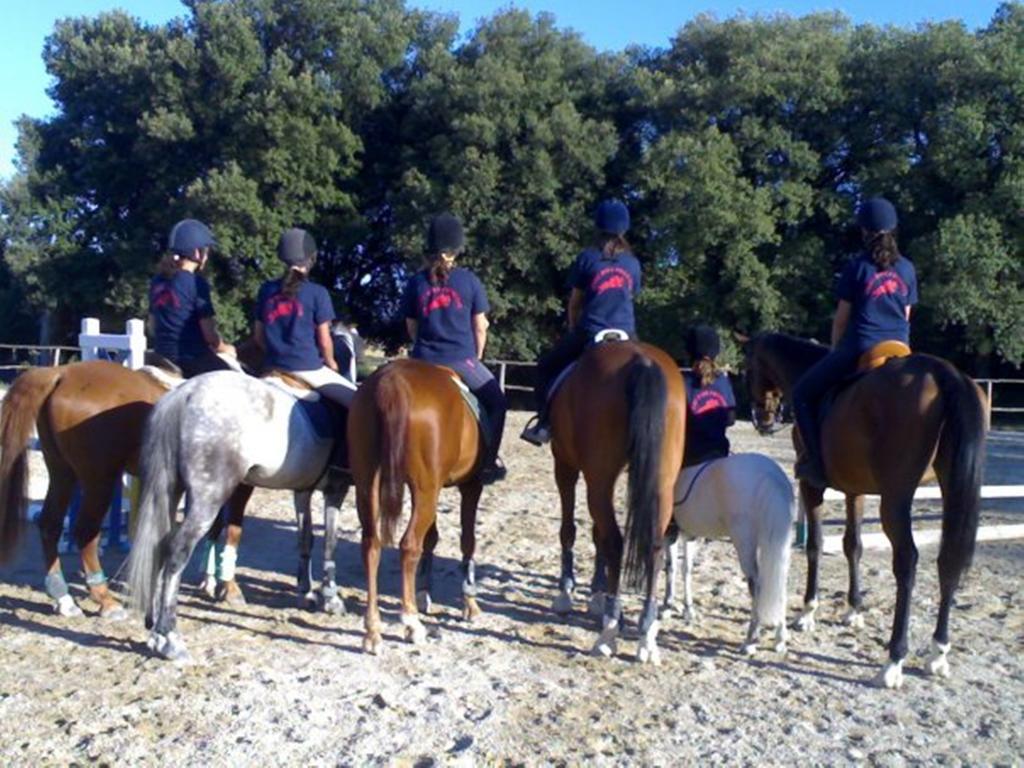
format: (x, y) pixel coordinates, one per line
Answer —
(740, 338)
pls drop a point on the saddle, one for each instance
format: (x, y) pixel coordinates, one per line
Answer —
(486, 428)
(605, 336)
(873, 358)
(327, 417)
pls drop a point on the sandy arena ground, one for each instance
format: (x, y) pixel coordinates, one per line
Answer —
(273, 684)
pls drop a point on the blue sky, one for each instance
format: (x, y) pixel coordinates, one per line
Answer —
(606, 24)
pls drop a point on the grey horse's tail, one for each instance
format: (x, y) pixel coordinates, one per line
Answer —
(777, 507)
(158, 470)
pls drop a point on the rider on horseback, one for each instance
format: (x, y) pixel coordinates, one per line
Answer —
(181, 311)
(293, 321)
(875, 291)
(605, 278)
(710, 401)
(446, 316)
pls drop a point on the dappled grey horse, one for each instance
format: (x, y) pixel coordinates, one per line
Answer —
(213, 433)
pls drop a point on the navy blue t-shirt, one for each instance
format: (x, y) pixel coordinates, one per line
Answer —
(177, 304)
(710, 411)
(609, 286)
(289, 324)
(444, 315)
(879, 300)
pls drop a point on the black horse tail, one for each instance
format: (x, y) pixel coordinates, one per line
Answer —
(960, 460)
(159, 458)
(647, 398)
(392, 396)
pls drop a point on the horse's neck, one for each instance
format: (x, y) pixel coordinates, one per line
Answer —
(789, 366)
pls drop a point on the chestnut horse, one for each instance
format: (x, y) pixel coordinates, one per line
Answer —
(409, 424)
(889, 430)
(624, 404)
(89, 417)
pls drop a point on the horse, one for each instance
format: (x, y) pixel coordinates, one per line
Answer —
(623, 403)
(747, 498)
(209, 436)
(89, 417)
(409, 425)
(887, 431)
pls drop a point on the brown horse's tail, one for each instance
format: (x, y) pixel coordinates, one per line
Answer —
(960, 461)
(20, 411)
(392, 396)
(647, 398)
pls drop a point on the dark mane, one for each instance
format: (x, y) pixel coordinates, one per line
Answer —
(795, 350)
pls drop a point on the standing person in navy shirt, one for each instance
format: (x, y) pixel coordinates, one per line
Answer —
(605, 279)
(445, 311)
(710, 401)
(181, 315)
(293, 321)
(875, 293)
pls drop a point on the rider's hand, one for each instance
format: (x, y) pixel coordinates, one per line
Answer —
(333, 365)
(228, 349)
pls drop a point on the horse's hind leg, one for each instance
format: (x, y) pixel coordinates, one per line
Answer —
(425, 572)
(565, 479)
(334, 495)
(746, 551)
(853, 549)
(896, 524)
(51, 524)
(368, 506)
(470, 500)
(670, 606)
(304, 578)
(97, 495)
(228, 590)
(424, 513)
(812, 499)
(610, 544)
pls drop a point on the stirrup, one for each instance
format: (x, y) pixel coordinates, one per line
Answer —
(494, 472)
(536, 433)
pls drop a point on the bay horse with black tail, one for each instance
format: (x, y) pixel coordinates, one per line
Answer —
(623, 404)
(886, 432)
(409, 425)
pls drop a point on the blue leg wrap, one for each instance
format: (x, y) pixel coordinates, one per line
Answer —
(55, 585)
(97, 579)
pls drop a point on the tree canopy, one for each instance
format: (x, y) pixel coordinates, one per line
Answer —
(741, 149)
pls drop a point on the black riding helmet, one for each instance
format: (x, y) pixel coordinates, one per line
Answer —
(612, 217)
(296, 248)
(877, 215)
(445, 234)
(188, 236)
(702, 341)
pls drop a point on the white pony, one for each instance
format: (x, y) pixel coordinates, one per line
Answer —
(745, 497)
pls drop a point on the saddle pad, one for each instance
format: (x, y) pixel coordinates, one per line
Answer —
(473, 403)
(298, 390)
(878, 354)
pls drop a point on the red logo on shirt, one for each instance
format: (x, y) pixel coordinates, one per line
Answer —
(707, 400)
(611, 279)
(885, 284)
(164, 296)
(280, 306)
(439, 297)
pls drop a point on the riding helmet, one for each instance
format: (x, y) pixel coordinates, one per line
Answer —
(296, 248)
(612, 217)
(702, 341)
(445, 234)
(877, 215)
(188, 236)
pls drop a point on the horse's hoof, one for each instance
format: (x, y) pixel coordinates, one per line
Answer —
(470, 608)
(607, 642)
(67, 608)
(415, 632)
(749, 649)
(372, 643)
(114, 612)
(307, 601)
(423, 601)
(805, 622)
(669, 611)
(334, 605)
(690, 616)
(596, 604)
(649, 654)
(209, 587)
(854, 619)
(781, 648)
(170, 647)
(891, 676)
(938, 662)
(562, 604)
(229, 592)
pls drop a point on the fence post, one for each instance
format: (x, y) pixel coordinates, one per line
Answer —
(989, 390)
(501, 375)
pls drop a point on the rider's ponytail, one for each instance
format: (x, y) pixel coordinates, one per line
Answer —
(293, 280)
(883, 248)
(612, 245)
(707, 370)
(168, 265)
(440, 268)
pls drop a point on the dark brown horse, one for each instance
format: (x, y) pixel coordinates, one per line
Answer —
(624, 404)
(89, 417)
(910, 420)
(409, 425)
